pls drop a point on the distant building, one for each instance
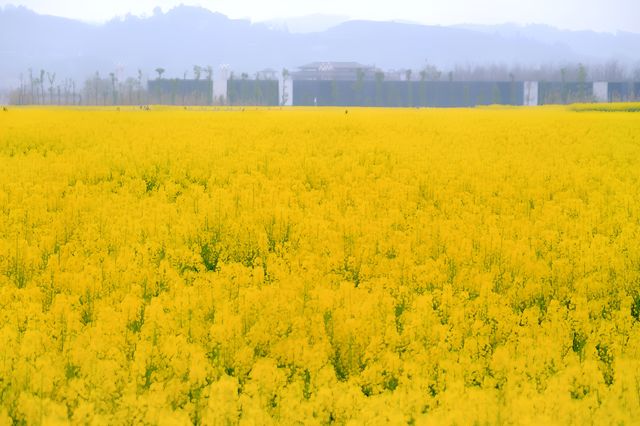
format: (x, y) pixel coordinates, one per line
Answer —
(335, 71)
(355, 84)
(396, 75)
(267, 74)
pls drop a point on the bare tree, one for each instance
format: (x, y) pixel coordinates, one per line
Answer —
(41, 80)
(431, 72)
(32, 83)
(36, 99)
(67, 89)
(52, 78)
(184, 78)
(114, 94)
(140, 87)
(97, 84)
(613, 71)
(22, 89)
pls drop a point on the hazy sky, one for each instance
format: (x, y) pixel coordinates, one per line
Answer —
(601, 15)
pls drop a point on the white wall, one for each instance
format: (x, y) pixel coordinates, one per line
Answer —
(220, 83)
(220, 88)
(601, 91)
(530, 93)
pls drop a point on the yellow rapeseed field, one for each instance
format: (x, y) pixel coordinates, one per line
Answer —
(316, 266)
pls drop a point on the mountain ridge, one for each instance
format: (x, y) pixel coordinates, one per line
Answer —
(187, 35)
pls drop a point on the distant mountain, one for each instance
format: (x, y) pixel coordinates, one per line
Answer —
(307, 24)
(190, 35)
(622, 45)
(394, 45)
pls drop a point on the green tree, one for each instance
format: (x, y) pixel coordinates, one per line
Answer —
(359, 86)
(209, 72)
(160, 71)
(512, 88)
(379, 88)
(408, 74)
(114, 93)
(96, 82)
(139, 87)
(423, 87)
(563, 79)
(231, 89)
(497, 97)
(582, 80)
(257, 90)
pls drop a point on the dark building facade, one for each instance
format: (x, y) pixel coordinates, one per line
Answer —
(564, 92)
(180, 92)
(624, 92)
(253, 92)
(406, 93)
(354, 84)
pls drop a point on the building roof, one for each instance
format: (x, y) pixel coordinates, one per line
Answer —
(334, 65)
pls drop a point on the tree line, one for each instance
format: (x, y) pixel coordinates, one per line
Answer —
(46, 87)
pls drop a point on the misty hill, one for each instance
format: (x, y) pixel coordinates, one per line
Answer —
(185, 36)
(622, 46)
(307, 24)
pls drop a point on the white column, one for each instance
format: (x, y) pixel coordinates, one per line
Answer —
(601, 91)
(220, 89)
(285, 85)
(220, 83)
(530, 93)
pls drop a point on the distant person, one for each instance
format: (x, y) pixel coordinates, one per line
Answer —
(315, 101)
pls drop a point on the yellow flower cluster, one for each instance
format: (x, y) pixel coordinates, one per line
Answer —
(312, 266)
(613, 107)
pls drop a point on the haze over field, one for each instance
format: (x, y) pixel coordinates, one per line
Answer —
(186, 35)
